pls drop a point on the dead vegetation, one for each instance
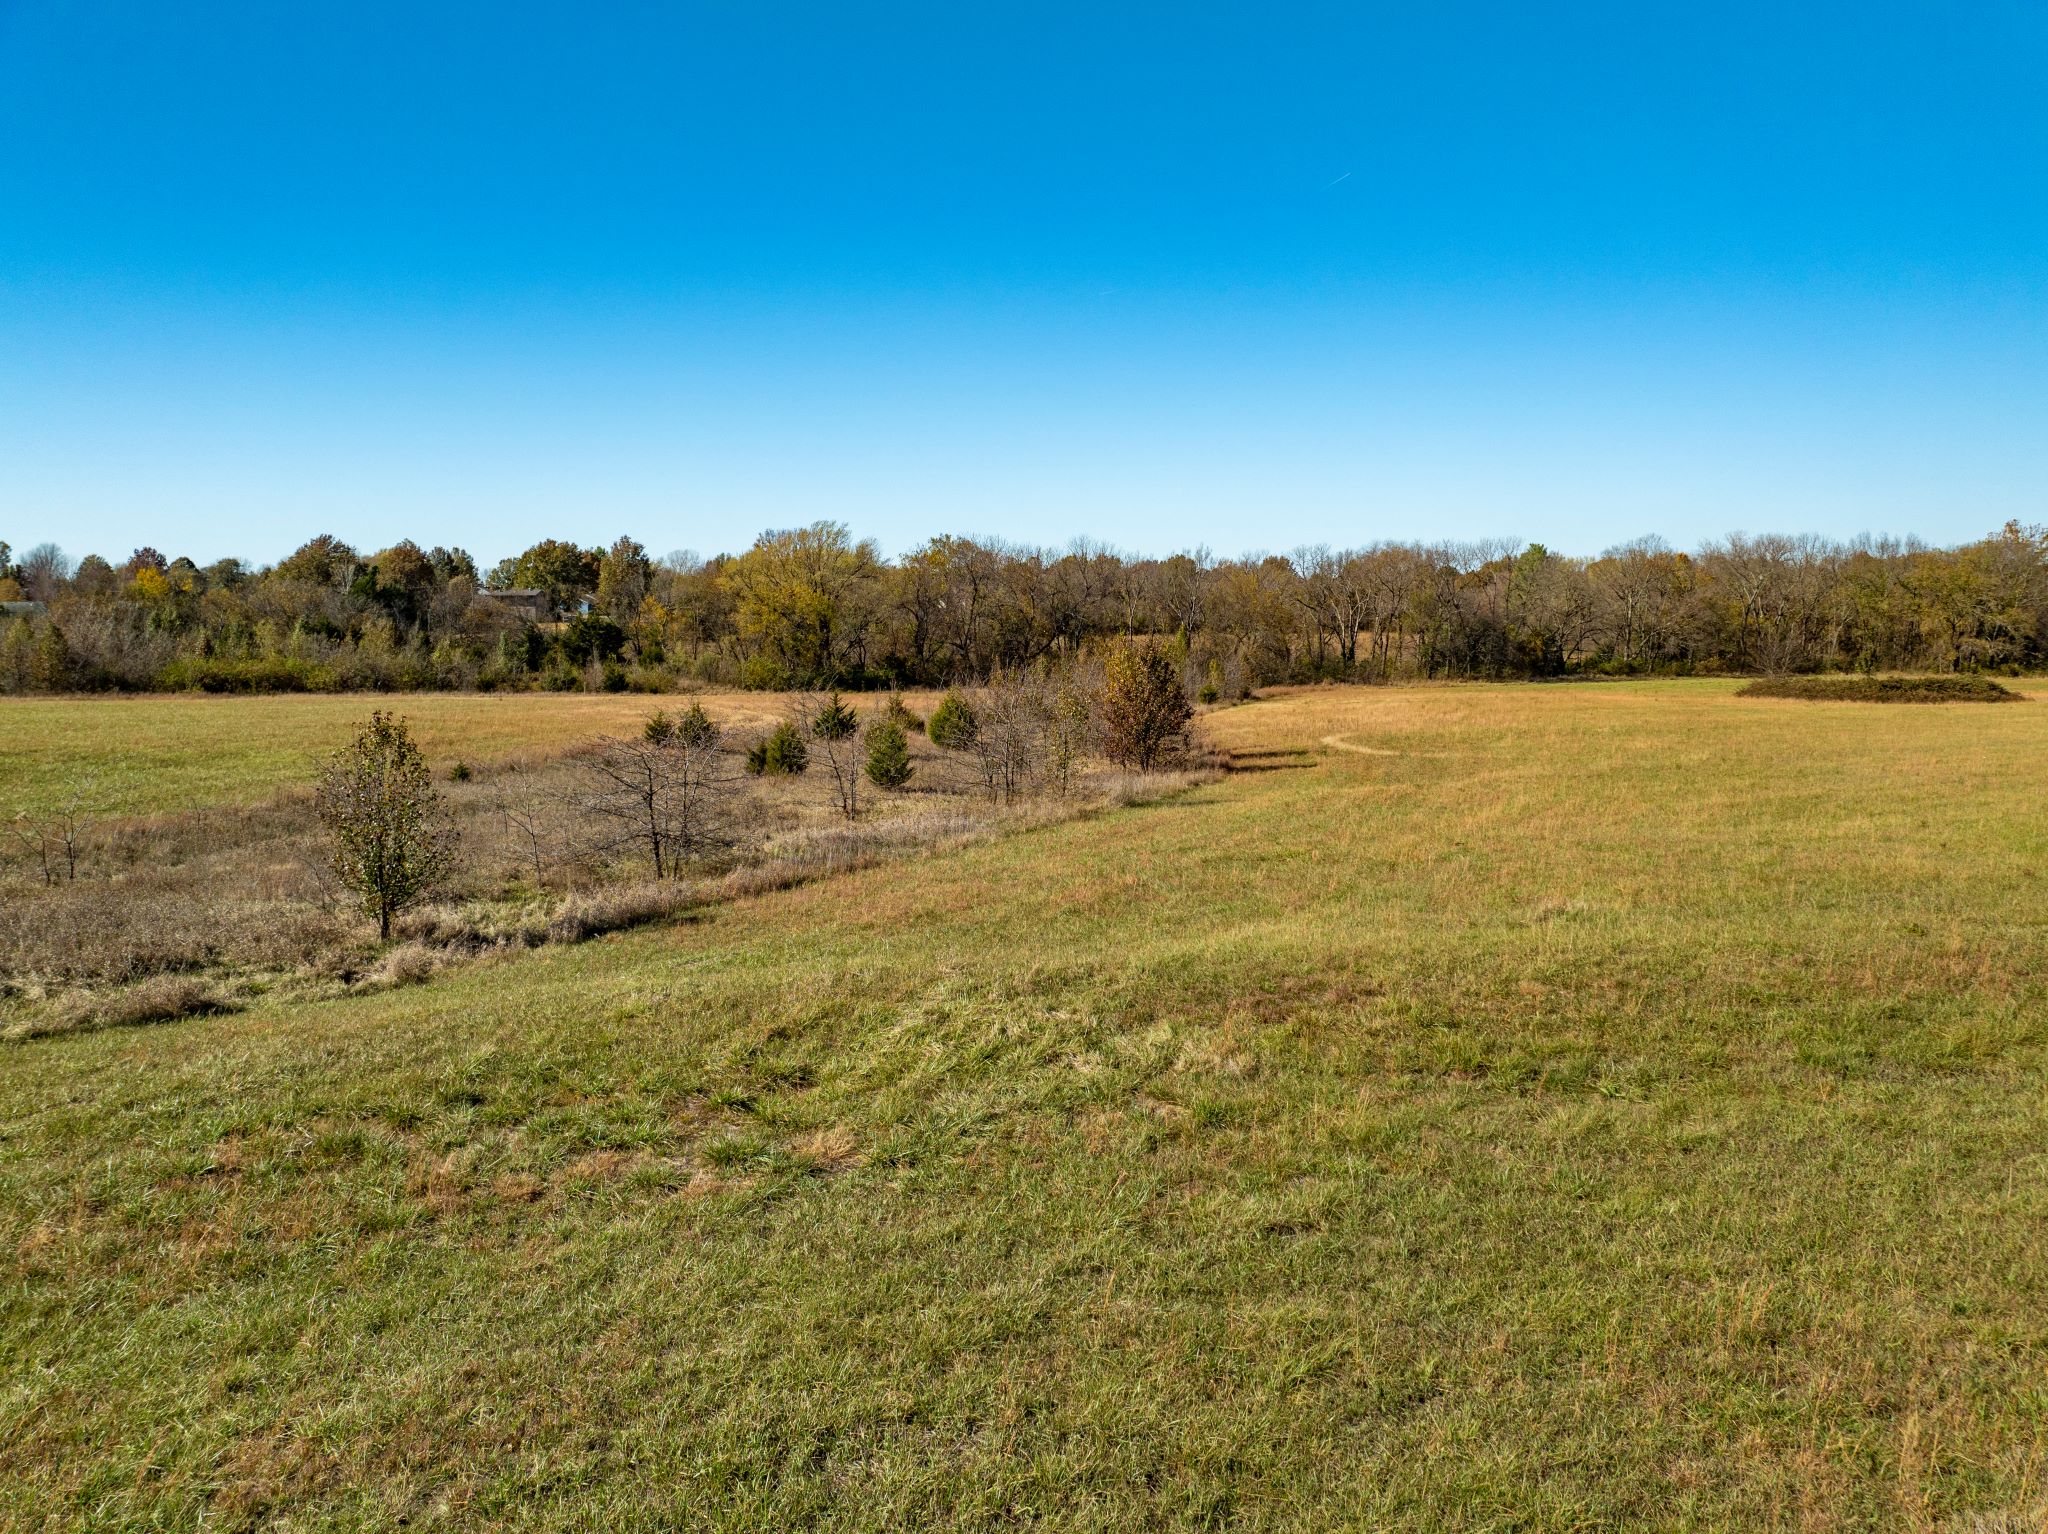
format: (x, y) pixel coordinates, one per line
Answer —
(159, 999)
(149, 918)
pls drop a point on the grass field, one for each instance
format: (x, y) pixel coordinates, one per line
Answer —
(153, 754)
(1540, 1107)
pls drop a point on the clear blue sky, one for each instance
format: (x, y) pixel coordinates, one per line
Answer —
(1248, 275)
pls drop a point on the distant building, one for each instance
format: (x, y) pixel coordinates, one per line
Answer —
(529, 602)
(22, 609)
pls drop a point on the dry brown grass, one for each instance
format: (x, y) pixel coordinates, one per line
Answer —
(244, 894)
(160, 999)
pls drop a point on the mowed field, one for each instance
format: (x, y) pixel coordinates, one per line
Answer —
(1617, 1106)
(157, 754)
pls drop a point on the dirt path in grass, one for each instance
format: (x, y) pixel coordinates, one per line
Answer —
(1339, 743)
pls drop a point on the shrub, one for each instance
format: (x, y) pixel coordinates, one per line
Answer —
(1069, 724)
(780, 753)
(834, 720)
(952, 725)
(694, 728)
(220, 674)
(1882, 689)
(888, 763)
(390, 837)
(1144, 707)
(760, 674)
(900, 713)
(591, 636)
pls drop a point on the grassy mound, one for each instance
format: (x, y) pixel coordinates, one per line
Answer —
(1882, 689)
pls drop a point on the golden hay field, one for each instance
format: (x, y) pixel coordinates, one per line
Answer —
(1569, 1107)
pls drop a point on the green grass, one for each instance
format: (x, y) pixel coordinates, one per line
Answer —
(1557, 1108)
(149, 755)
(156, 754)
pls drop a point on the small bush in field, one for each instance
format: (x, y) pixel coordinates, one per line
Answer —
(952, 726)
(780, 753)
(695, 728)
(902, 713)
(460, 773)
(1144, 707)
(1882, 689)
(834, 720)
(888, 763)
(390, 837)
(760, 674)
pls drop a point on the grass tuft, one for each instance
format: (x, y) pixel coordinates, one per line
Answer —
(159, 999)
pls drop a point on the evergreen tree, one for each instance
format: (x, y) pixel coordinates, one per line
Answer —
(952, 725)
(888, 763)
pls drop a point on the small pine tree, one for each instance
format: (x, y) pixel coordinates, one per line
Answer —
(836, 729)
(696, 728)
(781, 753)
(902, 713)
(952, 726)
(834, 720)
(888, 763)
(391, 839)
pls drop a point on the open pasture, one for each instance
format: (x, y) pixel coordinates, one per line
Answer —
(1581, 1107)
(156, 754)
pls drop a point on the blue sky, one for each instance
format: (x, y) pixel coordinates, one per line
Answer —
(1249, 276)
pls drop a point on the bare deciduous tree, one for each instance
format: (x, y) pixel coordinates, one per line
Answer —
(1009, 737)
(669, 791)
(531, 816)
(52, 841)
(836, 728)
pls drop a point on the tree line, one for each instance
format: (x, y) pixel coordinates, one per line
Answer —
(815, 607)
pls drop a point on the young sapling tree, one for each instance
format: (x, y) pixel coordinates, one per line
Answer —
(388, 828)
